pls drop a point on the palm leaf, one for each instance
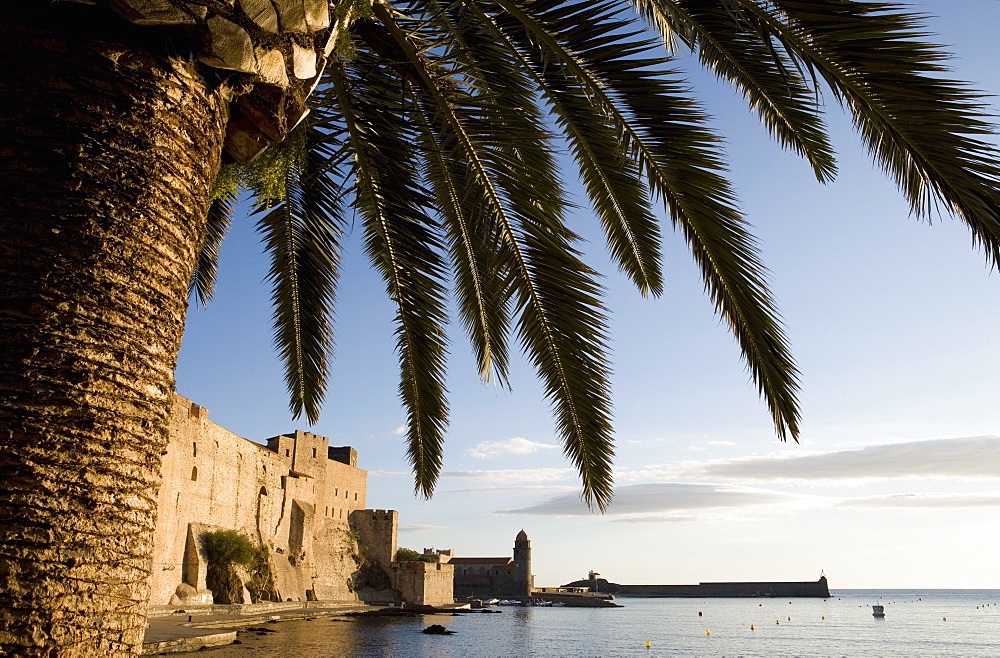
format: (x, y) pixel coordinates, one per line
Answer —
(303, 235)
(723, 36)
(220, 213)
(665, 132)
(919, 126)
(403, 244)
(561, 321)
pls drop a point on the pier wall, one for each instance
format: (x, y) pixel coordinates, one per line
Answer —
(816, 589)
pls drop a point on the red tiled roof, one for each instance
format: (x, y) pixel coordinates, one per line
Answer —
(481, 560)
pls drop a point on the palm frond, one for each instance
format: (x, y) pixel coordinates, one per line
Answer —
(403, 244)
(666, 134)
(724, 37)
(609, 173)
(561, 322)
(475, 247)
(919, 126)
(302, 233)
(220, 213)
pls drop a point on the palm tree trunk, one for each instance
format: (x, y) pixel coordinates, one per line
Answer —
(109, 144)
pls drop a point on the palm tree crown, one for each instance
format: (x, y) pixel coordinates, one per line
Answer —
(438, 125)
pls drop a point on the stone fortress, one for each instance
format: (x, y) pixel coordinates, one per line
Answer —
(301, 499)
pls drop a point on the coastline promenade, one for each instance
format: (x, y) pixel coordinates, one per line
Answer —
(178, 629)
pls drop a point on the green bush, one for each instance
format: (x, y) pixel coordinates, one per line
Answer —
(225, 547)
(410, 555)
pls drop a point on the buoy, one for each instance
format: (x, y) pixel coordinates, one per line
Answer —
(708, 632)
(789, 619)
(944, 619)
(648, 644)
(776, 621)
(751, 626)
(822, 617)
(699, 614)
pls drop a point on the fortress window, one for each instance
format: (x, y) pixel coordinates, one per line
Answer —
(288, 453)
(194, 449)
(314, 453)
(341, 513)
(263, 491)
(345, 494)
(336, 491)
(355, 496)
(194, 473)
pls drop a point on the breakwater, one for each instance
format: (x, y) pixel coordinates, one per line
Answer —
(783, 589)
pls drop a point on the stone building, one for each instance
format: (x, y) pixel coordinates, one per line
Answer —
(492, 577)
(301, 499)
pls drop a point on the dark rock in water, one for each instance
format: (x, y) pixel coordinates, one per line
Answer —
(237, 642)
(437, 629)
(260, 629)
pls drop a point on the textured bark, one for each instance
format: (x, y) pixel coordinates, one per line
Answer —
(109, 142)
(279, 48)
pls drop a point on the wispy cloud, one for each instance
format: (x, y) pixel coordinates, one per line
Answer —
(510, 476)
(666, 498)
(417, 527)
(399, 430)
(969, 457)
(516, 488)
(515, 446)
(389, 474)
(924, 501)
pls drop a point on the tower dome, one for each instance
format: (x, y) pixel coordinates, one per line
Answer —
(521, 536)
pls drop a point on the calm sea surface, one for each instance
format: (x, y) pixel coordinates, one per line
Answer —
(917, 623)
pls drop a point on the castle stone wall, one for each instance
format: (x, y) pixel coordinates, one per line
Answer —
(424, 583)
(298, 496)
(377, 531)
(297, 504)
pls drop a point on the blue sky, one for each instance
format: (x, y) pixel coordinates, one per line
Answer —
(893, 322)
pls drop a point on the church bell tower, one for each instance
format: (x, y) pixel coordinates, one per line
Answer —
(522, 563)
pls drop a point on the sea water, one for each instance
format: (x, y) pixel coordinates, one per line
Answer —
(916, 623)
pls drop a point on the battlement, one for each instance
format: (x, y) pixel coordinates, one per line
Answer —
(442, 554)
(194, 411)
(419, 565)
(343, 454)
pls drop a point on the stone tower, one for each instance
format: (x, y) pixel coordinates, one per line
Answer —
(522, 564)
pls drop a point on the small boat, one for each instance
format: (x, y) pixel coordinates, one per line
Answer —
(491, 602)
(878, 611)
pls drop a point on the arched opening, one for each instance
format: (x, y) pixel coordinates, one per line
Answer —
(194, 473)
